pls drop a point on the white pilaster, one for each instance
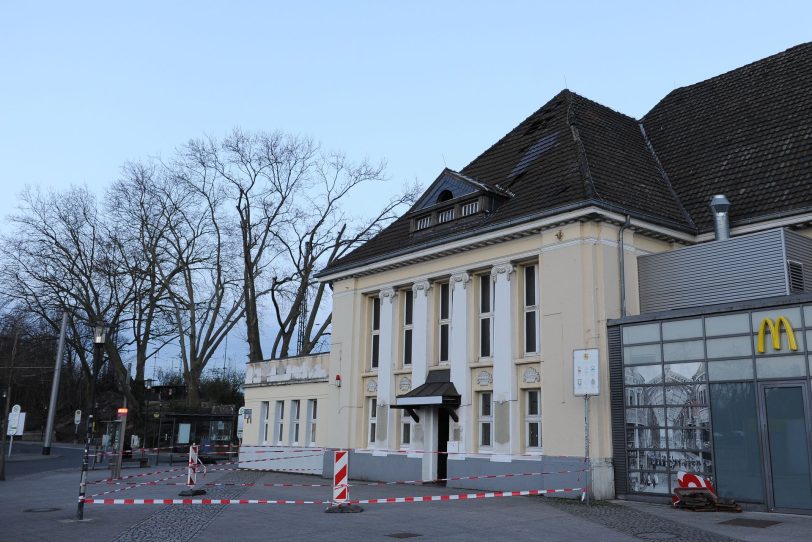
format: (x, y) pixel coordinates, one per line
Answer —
(458, 356)
(386, 417)
(420, 332)
(504, 373)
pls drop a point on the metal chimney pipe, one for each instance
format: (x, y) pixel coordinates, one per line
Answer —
(719, 204)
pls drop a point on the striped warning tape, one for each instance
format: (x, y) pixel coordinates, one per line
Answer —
(185, 467)
(387, 500)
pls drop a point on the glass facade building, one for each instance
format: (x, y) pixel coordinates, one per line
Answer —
(722, 392)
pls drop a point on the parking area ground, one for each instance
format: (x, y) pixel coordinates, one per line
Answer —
(42, 506)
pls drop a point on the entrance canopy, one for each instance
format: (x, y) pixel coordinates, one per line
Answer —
(438, 392)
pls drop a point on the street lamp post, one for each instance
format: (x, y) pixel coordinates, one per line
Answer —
(98, 359)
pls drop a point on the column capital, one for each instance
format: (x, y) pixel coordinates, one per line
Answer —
(505, 269)
(421, 286)
(462, 278)
(387, 293)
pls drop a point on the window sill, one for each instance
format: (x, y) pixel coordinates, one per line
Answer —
(373, 372)
(480, 364)
(530, 358)
(403, 371)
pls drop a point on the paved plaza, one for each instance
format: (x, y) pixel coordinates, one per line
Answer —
(41, 506)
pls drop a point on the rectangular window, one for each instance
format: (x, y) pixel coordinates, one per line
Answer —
(444, 323)
(532, 419)
(531, 306)
(423, 222)
(375, 331)
(265, 413)
(279, 423)
(485, 316)
(485, 420)
(373, 419)
(408, 319)
(294, 422)
(405, 430)
(312, 414)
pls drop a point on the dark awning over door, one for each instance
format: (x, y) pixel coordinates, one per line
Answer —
(438, 391)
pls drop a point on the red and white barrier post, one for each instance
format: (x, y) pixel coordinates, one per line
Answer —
(191, 473)
(341, 489)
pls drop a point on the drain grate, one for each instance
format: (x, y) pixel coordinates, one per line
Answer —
(403, 535)
(745, 522)
(656, 535)
(38, 510)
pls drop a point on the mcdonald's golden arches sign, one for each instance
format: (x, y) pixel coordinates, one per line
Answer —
(775, 333)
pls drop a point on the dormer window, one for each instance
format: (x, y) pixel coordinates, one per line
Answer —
(451, 197)
(446, 215)
(470, 208)
(422, 223)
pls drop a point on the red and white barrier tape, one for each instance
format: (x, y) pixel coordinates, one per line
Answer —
(388, 500)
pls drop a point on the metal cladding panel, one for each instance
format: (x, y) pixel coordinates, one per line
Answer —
(736, 269)
(618, 413)
(799, 249)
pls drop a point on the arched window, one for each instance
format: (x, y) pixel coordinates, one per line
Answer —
(445, 195)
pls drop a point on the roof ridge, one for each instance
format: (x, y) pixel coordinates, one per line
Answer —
(759, 62)
(583, 159)
(665, 177)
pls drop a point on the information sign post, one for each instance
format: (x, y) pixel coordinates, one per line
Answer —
(585, 383)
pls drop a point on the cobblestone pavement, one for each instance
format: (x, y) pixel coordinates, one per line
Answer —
(174, 523)
(636, 522)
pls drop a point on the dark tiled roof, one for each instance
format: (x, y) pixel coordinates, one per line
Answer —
(746, 133)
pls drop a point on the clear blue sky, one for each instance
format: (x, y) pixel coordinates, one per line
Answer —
(87, 86)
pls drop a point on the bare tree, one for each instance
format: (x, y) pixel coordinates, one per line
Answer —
(142, 211)
(262, 174)
(320, 235)
(61, 256)
(206, 297)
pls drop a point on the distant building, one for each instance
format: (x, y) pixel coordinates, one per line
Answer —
(454, 328)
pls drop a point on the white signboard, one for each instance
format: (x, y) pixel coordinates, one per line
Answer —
(240, 422)
(13, 418)
(77, 417)
(585, 378)
(16, 424)
(184, 431)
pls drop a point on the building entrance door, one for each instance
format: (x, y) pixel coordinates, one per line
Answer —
(785, 422)
(442, 445)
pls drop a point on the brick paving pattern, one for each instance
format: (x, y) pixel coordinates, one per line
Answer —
(179, 523)
(636, 522)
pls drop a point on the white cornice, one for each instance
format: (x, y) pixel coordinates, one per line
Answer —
(490, 237)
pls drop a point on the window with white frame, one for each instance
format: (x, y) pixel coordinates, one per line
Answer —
(530, 303)
(444, 321)
(408, 322)
(405, 430)
(485, 419)
(485, 316)
(532, 419)
(375, 331)
(373, 419)
(423, 222)
(312, 415)
(279, 423)
(265, 414)
(294, 421)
